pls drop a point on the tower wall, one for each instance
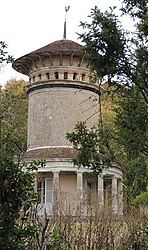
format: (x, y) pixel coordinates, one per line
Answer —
(62, 92)
(55, 111)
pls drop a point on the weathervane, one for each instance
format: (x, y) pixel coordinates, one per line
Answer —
(66, 9)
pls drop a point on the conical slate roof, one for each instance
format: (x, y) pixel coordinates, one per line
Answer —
(64, 47)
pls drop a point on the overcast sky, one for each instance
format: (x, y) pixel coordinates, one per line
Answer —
(27, 25)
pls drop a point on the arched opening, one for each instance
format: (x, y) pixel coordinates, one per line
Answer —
(56, 74)
(74, 76)
(83, 77)
(47, 76)
(65, 75)
(40, 77)
(33, 78)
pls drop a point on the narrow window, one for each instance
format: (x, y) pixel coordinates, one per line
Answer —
(40, 77)
(48, 188)
(44, 190)
(83, 77)
(39, 190)
(65, 75)
(56, 74)
(48, 76)
(33, 78)
(74, 76)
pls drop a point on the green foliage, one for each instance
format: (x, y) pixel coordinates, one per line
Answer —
(141, 199)
(135, 178)
(17, 195)
(131, 122)
(138, 9)
(104, 42)
(14, 106)
(92, 152)
(57, 241)
(140, 75)
(116, 55)
(131, 136)
(4, 57)
(140, 240)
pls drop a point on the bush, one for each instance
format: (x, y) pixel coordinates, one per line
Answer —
(141, 199)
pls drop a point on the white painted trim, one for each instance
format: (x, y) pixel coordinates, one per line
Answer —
(70, 168)
(49, 147)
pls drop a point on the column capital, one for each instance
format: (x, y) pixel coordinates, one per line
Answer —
(101, 175)
(114, 177)
(56, 171)
(79, 172)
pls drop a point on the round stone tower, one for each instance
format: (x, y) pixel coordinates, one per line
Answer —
(60, 92)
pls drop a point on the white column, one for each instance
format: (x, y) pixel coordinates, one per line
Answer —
(114, 195)
(120, 197)
(52, 75)
(70, 75)
(56, 208)
(35, 182)
(61, 76)
(100, 192)
(79, 192)
(56, 175)
(79, 185)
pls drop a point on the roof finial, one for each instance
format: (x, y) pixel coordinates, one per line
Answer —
(66, 9)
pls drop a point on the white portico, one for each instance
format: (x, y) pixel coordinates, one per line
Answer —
(71, 187)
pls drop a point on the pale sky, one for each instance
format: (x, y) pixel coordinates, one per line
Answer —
(27, 25)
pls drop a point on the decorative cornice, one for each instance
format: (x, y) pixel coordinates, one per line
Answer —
(62, 85)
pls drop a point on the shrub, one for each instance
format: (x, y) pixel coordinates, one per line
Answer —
(141, 199)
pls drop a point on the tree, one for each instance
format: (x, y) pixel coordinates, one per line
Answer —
(14, 106)
(4, 56)
(131, 122)
(131, 136)
(138, 9)
(18, 198)
(91, 151)
(120, 58)
(116, 55)
(17, 194)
